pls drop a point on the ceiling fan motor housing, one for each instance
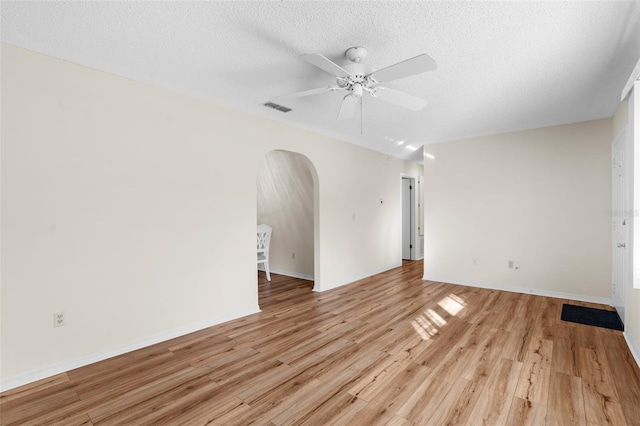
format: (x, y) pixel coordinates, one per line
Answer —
(358, 69)
(359, 80)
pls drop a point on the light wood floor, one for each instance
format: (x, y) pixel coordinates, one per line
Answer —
(390, 349)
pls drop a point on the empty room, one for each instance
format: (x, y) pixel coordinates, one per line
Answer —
(320, 213)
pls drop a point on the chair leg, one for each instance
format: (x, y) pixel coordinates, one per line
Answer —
(266, 269)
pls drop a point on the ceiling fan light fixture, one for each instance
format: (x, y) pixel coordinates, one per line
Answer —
(356, 90)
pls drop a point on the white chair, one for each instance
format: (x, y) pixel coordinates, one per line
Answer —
(264, 239)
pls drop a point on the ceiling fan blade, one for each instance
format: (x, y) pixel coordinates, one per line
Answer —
(417, 65)
(325, 64)
(310, 92)
(400, 98)
(349, 104)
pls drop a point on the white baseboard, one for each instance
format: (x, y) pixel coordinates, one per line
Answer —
(633, 347)
(288, 273)
(533, 291)
(42, 373)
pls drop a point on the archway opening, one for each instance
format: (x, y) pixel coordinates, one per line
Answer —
(287, 201)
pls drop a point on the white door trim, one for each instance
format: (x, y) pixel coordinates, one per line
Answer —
(620, 220)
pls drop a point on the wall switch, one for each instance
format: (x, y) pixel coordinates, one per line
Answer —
(59, 319)
(510, 264)
(475, 262)
(293, 255)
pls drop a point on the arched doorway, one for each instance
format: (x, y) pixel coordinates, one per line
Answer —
(287, 200)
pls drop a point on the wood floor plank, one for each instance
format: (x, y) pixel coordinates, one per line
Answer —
(517, 343)
(566, 403)
(626, 376)
(337, 409)
(413, 347)
(526, 413)
(398, 421)
(602, 404)
(358, 365)
(44, 407)
(430, 393)
(160, 408)
(444, 339)
(533, 384)
(325, 344)
(221, 411)
(340, 359)
(494, 407)
(447, 411)
(107, 408)
(27, 392)
(306, 401)
(566, 357)
(123, 379)
(380, 378)
(390, 349)
(283, 377)
(398, 391)
(372, 416)
(461, 401)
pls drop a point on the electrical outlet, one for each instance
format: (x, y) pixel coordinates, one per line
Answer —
(510, 264)
(59, 319)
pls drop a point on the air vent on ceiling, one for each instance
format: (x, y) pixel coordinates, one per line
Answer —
(278, 107)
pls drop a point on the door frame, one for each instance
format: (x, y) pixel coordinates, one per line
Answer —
(317, 286)
(414, 219)
(620, 213)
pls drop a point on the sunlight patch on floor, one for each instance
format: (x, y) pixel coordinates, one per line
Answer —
(423, 328)
(435, 318)
(430, 322)
(452, 304)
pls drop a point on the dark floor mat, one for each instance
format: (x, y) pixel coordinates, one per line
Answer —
(592, 316)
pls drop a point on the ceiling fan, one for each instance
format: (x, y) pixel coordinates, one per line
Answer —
(357, 78)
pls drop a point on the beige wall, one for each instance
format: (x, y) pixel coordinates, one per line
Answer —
(537, 197)
(620, 117)
(133, 210)
(285, 202)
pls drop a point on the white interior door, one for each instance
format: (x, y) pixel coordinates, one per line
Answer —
(407, 218)
(620, 221)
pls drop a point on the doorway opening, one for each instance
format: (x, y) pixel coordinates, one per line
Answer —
(409, 218)
(287, 201)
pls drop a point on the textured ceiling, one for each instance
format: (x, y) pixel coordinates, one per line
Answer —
(502, 66)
